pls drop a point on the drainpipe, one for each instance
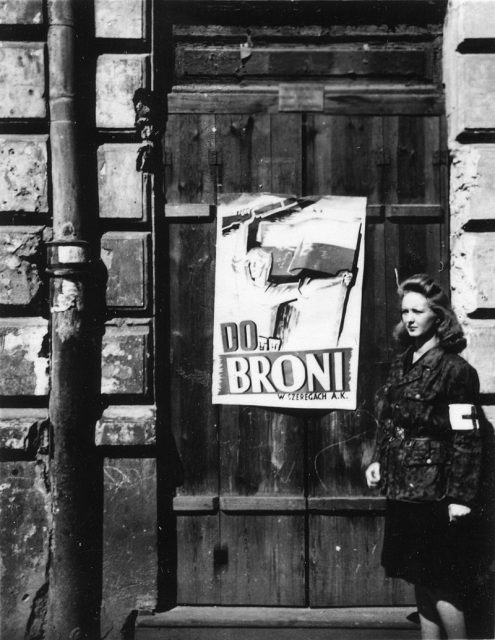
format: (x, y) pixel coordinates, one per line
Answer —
(74, 583)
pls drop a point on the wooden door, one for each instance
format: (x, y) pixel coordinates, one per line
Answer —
(274, 509)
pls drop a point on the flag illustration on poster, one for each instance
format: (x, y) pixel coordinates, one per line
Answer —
(288, 292)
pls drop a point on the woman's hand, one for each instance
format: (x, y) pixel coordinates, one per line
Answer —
(457, 511)
(373, 475)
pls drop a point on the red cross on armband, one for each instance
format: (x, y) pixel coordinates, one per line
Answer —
(463, 417)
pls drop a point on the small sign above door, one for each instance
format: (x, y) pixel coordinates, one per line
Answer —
(300, 97)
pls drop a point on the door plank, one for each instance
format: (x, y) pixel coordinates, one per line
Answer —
(265, 563)
(260, 449)
(260, 452)
(345, 563)
(195, 62)
(193, 418)
(197, 539)
(188, 139)
(229, 99)
(342, 156)
(286, 153)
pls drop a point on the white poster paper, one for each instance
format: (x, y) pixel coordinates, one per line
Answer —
(288, 293)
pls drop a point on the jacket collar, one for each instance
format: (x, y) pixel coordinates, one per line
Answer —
(429, 360)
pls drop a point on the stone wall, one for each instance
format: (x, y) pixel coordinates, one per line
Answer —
(127, 426)
(469, 73)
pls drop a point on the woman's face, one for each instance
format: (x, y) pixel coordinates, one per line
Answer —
(419, 320)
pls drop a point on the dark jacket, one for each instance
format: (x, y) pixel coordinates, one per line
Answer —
(422, 457)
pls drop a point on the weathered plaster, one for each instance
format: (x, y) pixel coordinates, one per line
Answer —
(125, 354)
(480, 336)
(23, 173)
(22, 76)
(468, 77)
(19, 277)
(23, 364)
(127, 425)
(125, 257)
(475, 19)
(21, 11)
(117, 78)
(470, 103)
(16, 424)
(129, 542)
(122, 191)
(120, 18)
(24, 531)
(473, 261)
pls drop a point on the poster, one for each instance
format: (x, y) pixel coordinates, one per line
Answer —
(288, 290)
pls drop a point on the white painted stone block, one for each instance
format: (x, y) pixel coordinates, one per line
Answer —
(474, 91)
(480, 335)
(117, 78)
(473, 19)
(473, 272)
(21, 11)
(20, 280)
(23, 173)
(124, 357)
(15, 425)
(126, 425)
(23, 365)
(22, 78)
(489, 411)
(482, 205)
(120, 18)
(122, 191)
(125, 255)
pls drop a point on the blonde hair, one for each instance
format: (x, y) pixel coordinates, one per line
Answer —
(448, 330)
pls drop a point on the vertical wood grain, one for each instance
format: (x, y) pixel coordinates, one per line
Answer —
(266, 559)
(261, 450)
(191, 266)
(197, 539)
(345, 563)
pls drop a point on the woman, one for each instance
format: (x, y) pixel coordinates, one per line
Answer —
(427, 459)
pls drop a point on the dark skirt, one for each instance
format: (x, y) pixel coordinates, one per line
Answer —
(421, 545)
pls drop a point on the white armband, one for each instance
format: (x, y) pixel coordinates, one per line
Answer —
(463, 417)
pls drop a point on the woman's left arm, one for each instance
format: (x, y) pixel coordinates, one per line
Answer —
(465, 465)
